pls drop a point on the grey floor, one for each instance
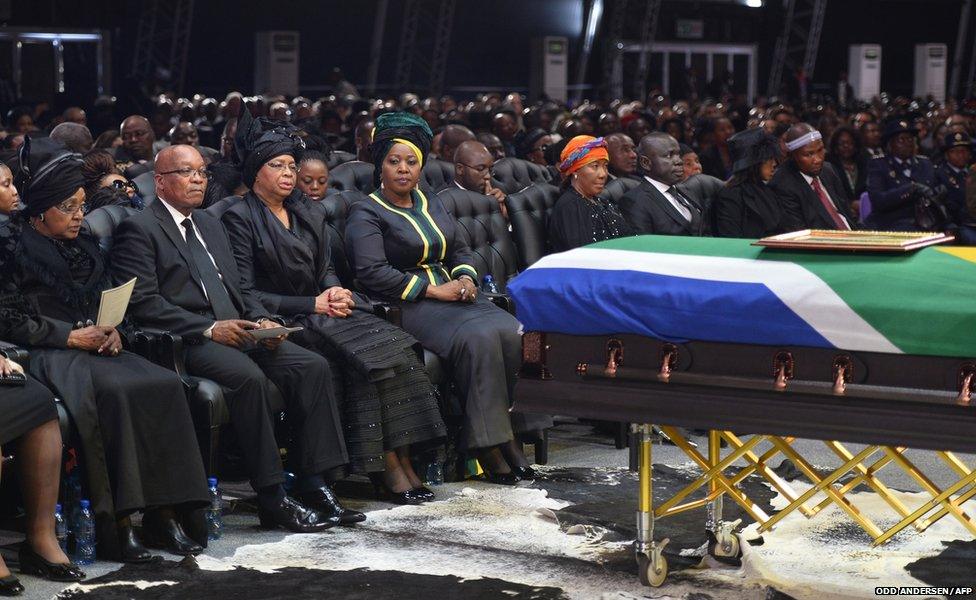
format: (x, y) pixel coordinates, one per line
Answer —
(572, 444)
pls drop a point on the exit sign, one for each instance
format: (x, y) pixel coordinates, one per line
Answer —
(689, 29)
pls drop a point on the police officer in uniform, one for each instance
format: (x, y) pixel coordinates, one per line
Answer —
(953, 175)
(899, 180)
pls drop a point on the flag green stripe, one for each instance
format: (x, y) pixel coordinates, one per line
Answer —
(924, 302)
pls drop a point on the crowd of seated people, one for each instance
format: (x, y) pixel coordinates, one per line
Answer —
(355, 390)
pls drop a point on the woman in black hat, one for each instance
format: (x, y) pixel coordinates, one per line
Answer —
(137, 441)
(746, 207)
(281, 243)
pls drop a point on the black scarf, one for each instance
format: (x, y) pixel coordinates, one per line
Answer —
(285, 257)
(41, 257)
(48, 175)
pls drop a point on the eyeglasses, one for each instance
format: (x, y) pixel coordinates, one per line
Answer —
(280, 166)
(482, 169)
(187, 172)
(69, 208)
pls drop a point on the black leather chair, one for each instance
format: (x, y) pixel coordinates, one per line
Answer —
(146, 184)
(101, 222)
(352, 175)
(438, 175)
(486, 232)
(338, 157)
(217, 209)
(514, 174)
(616, 189)
(336, 207)
(528, 212)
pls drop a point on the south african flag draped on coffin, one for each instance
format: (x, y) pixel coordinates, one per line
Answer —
(726, 290)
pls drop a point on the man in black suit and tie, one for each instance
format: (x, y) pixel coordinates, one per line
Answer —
(658, 206)
(811, 191)
(187, 282)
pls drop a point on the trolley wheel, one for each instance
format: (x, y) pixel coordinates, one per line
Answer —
(652, 572)
(726, 546)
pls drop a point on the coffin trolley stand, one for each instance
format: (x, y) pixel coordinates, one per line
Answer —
(768, 396)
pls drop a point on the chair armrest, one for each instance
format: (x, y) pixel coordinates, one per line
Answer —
(15, 353)
(388, 312)
(502, 301)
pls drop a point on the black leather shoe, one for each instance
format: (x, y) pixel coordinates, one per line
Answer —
(524, 473)
(294, 517)
(194, 524)
(165, 533)
(32, 563)
(502, 478)
(132, 550)
(10, 586)
(324, 501)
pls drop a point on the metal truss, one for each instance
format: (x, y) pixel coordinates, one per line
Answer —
(421, 59)
(629, 24)
(163, 39)
(797, 45)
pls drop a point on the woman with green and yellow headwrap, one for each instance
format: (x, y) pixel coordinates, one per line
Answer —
(405, 248)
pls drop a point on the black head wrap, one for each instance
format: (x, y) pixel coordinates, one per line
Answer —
(398, 125)
(524, 143)
(47, 174)
(259, 140)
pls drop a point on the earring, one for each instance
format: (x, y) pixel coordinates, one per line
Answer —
(41, 217)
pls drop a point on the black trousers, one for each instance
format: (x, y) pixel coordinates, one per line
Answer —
(305, 382)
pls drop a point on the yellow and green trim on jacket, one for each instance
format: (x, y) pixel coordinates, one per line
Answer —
(434, 245)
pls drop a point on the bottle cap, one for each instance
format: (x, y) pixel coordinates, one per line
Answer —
(212, 481)
(85, 504)
(489, 278)
(57, 508)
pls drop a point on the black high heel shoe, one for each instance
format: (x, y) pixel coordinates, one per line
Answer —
(32, 563)
(502, 478)
(524, 473)
(10, 586)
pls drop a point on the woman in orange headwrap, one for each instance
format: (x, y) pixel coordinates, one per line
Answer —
(580, 216)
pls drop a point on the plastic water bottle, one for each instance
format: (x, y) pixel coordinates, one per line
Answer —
(215, 520)
(84, 535)
(290, 479)
(489, 286)
(435, 473)
(60, 528)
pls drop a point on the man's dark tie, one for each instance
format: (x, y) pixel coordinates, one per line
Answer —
(692, 209)
(220, 302)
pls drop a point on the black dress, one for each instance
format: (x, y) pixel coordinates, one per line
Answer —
(137, 441)
(21, 408)
(576, 221)
(389, 401)
(749, 210)
(396, 253)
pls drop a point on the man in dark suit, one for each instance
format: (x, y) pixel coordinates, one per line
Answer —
(811, 191)
(899, 180)
(187, 282)
(659, 205)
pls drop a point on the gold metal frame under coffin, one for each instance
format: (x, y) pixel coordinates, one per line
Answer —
(941, 503)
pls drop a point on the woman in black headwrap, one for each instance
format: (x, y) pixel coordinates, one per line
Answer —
(407, 249)
(137, 441)
(29, 423)
(281, 243)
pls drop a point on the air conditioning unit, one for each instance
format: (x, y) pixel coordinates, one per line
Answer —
(864, 70)
(276, 62)
(550, 65)
(930, 70)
